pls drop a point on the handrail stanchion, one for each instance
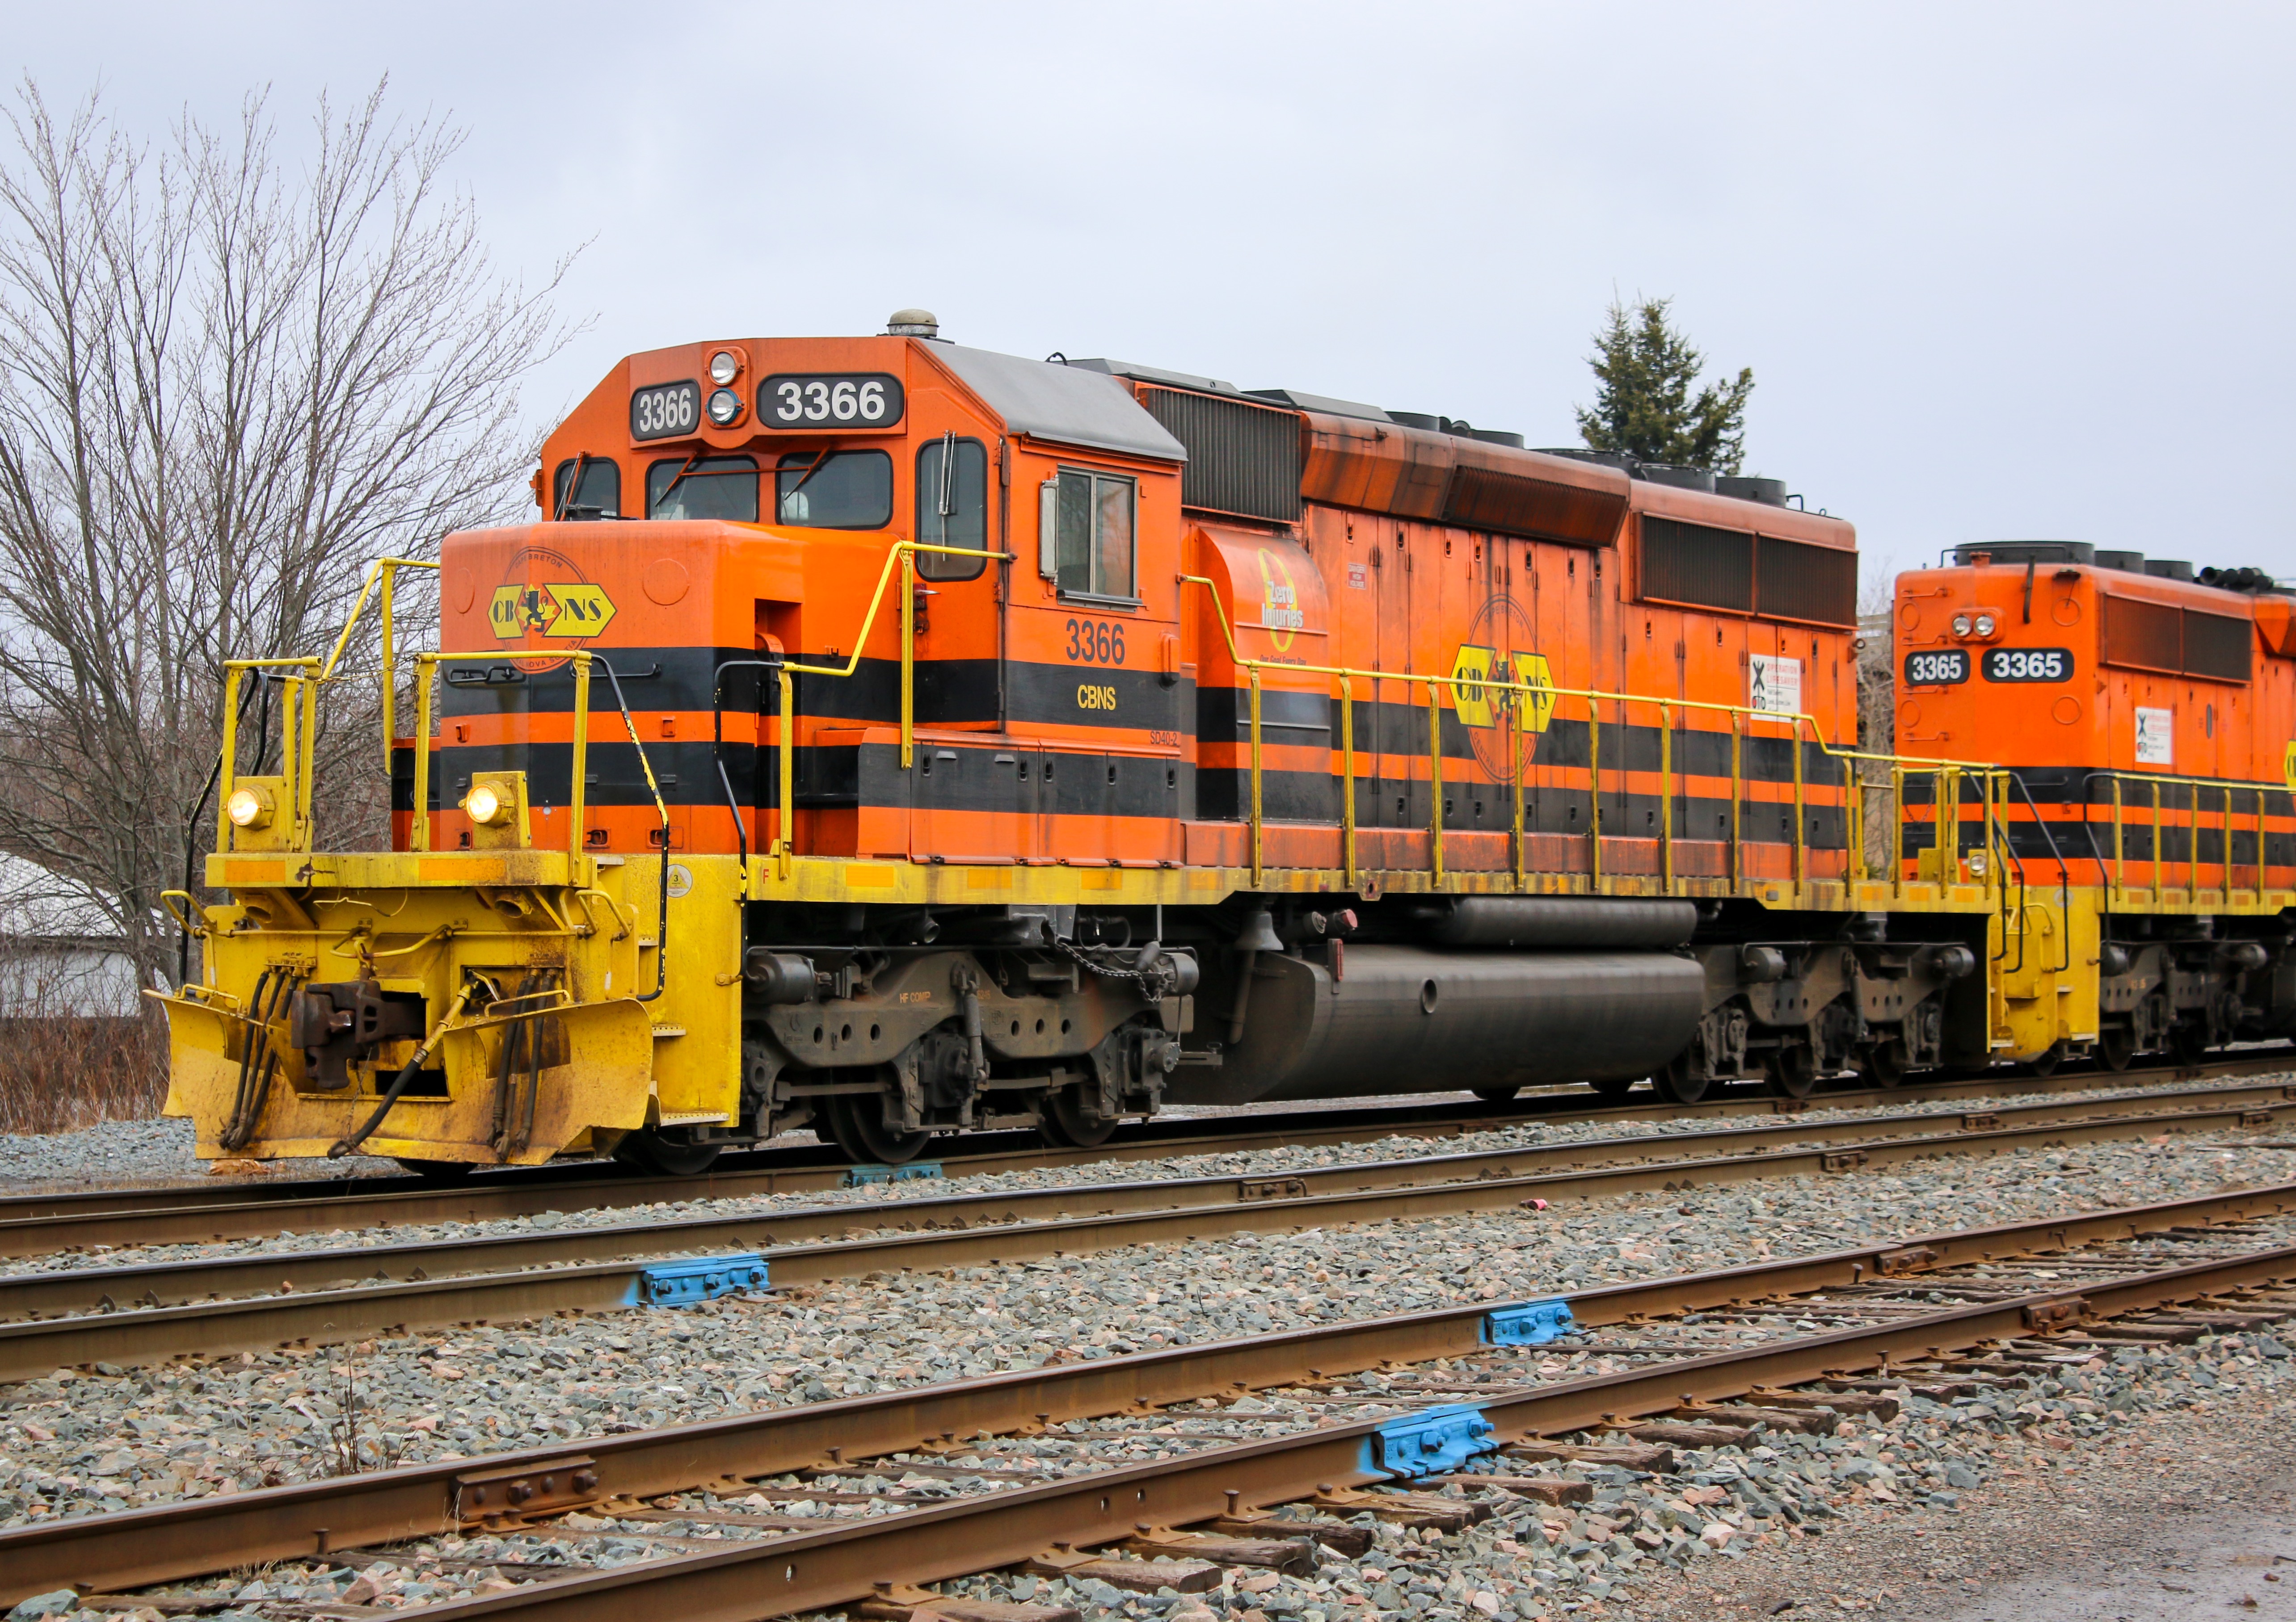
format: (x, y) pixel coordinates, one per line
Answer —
(1348, 778)
(1897, 829)
(1256, 858)
(2120, 850)
(418, 835)
(1801, 817)
(1853, 831)
(2227, 842)
(227, 774)
(1594, 787)
(577, 797)
(907, 611)
(1737, 802)
(785, 839)
(2259, 848)
(1666, 795)
(1516, 769)
(1435, 780)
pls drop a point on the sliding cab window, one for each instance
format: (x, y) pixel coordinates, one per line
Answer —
(586, 488)
(841, 490)
(1088, 517)
(703, 487)
(952, 506)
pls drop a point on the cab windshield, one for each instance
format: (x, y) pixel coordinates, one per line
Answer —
(842, 491)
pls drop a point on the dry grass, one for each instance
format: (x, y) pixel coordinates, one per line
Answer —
(61, 1074)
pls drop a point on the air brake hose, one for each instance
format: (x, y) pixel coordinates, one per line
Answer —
(258, 1063)
(404, 1079)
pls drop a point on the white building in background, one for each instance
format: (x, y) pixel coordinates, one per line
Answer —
(60, 953)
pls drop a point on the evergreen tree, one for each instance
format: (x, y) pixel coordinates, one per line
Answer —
(1645, 407)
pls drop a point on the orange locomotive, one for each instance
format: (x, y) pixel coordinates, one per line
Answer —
(2145, 720)
(894, 737)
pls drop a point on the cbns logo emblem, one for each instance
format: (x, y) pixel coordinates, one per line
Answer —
(1503, 693)
(571, 610)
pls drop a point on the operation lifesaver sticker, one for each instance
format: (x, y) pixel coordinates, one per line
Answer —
(2156, 737)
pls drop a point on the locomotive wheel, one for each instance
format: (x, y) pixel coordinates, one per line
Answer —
(666, 1157)
(1793, 1071)
(2116, 1044)
(1064, 1125)
(1614, 1088)
(2188, 1044)
(1677, 1083)
(856, 1124)
(2046, 1062)
(1496, 1094)
(438, 1171)
(1885, 1064)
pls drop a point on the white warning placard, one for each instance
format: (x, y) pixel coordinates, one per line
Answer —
(1774, 684)
(2156, 737)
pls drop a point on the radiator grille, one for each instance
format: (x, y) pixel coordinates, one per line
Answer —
(1794, 581)
(1242, 459)
(1703, 567)
(1693, 563)
(2218, 646)
(2145, 635)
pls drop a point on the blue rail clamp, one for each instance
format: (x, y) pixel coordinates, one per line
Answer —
(856, 1176)
(1432, 1441)
(1528, 1322)
(684, 1283)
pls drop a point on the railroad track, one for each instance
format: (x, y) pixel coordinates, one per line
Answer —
(1342, 1412)
(123, 1314)
(41, 1223)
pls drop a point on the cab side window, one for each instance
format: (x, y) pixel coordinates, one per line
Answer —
(703, 487)
(1088, 519)
(952, 506)
(597, 495)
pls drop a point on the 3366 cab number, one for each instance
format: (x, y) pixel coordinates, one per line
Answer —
(1096, 642)
(830, 399)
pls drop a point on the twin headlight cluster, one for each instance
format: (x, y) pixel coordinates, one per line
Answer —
(1980, 625)
(724, 406)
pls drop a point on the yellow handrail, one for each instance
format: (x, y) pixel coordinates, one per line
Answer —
(1947, 770)
(297, 763)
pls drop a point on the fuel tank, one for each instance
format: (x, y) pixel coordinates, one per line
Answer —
(1398, 1019)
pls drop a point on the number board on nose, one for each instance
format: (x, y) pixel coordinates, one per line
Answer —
(830, 399)
(2028, 665)
(1937, 668)
(665, 410)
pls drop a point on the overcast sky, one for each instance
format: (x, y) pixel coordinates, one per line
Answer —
(2000, 271)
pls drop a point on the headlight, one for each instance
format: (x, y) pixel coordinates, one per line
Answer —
(1985, 625)
(725, 405)
(1960, 624)
(485, 805)
(724, 368)
(248, 808)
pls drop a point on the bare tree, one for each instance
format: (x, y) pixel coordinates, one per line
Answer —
(225, 387)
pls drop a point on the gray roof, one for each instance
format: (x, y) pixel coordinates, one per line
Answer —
(1066, 404)
(1322, 402)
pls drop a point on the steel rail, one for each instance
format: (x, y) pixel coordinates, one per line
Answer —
(106, 1289)
(166, 1543)
(779, 1576)
(31, 1348)
(44, 1224)
(37, 1224)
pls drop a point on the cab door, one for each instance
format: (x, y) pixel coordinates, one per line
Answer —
(959, 612)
